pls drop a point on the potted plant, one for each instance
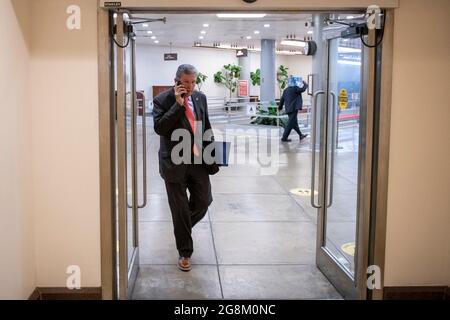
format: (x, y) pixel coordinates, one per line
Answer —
(201, 78)
(256, 77)
(272, 110)
(228, 77)
(282, 78)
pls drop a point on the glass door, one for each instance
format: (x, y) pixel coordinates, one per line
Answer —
(339, 158)
(131, 151)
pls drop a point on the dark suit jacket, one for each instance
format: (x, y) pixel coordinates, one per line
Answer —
(168, 116)
(292, 98)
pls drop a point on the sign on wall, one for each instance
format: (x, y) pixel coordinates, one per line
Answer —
(112, 4)
(343, 99)
(170, 56)
(243, 88)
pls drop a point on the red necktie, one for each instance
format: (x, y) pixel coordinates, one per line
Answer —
(191, 118)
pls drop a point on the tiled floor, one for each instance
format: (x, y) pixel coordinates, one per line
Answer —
(257, 242)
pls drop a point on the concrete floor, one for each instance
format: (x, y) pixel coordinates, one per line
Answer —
(258, 240)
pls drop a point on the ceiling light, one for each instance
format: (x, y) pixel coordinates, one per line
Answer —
(203, 32)
(348, 50)
(145, 25)
(256, 32)
(310, 32)
(294, 43)
(241, 15)
(156, 41)
(249, 37)
(267, 25)
(353, 63)
(205, 25)
(201, 37)
(149, 32)
(350, 17)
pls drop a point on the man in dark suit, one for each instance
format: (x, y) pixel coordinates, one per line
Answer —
(292, 99)
(183, 108)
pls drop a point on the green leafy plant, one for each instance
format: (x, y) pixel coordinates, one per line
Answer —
(272, 110)
(228, 77)
(201, 78)
(282, 78)
(256, 77)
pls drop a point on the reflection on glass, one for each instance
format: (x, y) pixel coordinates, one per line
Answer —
(128, 85)
(345, 83)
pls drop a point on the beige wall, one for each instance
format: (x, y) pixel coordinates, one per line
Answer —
(65, 160)
(17, 267)
(418, 225)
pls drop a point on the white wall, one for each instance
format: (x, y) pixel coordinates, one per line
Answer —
(418, 224)
(17, 270)
(298, 66)
(64, 93)
(153, 70)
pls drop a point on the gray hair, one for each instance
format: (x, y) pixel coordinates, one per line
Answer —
(185, 69)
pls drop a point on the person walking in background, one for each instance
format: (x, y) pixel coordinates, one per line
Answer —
(293, 101)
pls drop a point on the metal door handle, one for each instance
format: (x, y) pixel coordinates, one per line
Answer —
(144, 157)
(310, 84)
(313, 141)
(133, 141)
(333, 146)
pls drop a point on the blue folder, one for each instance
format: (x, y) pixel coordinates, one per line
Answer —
(222, 153)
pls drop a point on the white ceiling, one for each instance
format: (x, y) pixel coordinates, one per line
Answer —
(184, 29)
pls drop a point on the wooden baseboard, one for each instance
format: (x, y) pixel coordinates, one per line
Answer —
(66, 294)
(416, 293)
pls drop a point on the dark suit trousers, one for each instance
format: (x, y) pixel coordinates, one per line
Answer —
(187, 212)
(292, 124)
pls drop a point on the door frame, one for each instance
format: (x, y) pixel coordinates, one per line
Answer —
(375, 210)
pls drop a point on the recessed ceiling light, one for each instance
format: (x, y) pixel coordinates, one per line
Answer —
(201, 37)
(256, 32)
(145, 25)
(205, 25)
(149, 32)
(203, 32)
(267, 25)
(249, 37)
(350, 17)
(241, 15)
(153, 37)
(310, 32)
(156, 41)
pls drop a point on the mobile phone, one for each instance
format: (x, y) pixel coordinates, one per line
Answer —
(179, 83)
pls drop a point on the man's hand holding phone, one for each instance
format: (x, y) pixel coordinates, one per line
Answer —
(180, 92)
